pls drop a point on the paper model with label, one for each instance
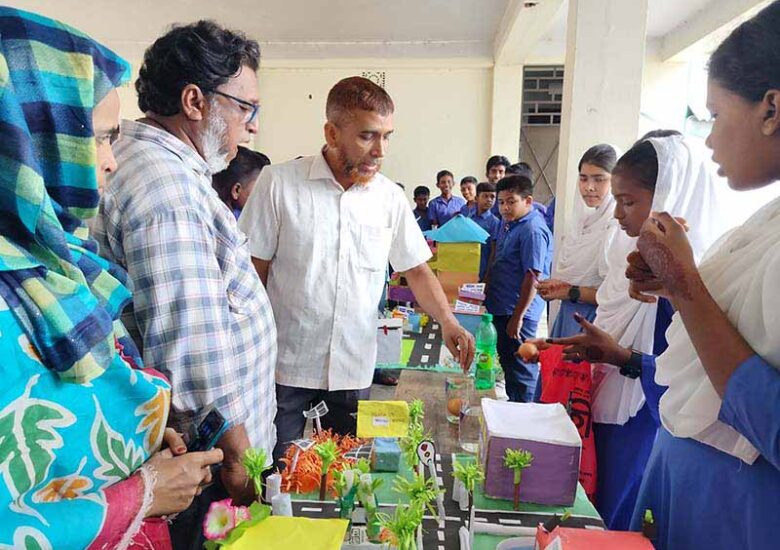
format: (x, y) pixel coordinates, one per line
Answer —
(547, 432)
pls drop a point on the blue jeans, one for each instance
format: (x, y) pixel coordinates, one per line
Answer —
(520, 376)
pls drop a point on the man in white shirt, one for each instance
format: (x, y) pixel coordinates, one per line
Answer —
(321, 232)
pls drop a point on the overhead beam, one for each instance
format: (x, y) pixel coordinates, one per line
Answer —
(705, 22)
(521, 29)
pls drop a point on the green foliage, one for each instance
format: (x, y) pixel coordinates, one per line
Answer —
(517, 461)
(328, 452)
(419, 490)
(257, 513)
(410, 443)
(254, 463)
(469, 474)
(416, 413)
(403, 524)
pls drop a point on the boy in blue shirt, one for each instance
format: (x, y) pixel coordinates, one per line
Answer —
(486, 197)
(445, 206)
(468, 189)
(523, 255)
(421, 195)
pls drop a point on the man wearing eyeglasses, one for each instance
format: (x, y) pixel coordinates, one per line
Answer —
(202, 314)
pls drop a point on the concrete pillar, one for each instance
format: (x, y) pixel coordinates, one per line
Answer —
(605, 52)
(506, 111)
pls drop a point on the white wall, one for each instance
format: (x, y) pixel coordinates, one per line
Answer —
(442, 117)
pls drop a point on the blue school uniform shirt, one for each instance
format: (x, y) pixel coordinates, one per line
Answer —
(421, 217)
(703, 498)
(441, 211)
(492, 225)
(469, 211)
(521, 245)
(550, 215)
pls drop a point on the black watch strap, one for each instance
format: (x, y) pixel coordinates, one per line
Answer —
(574, 293)
(633, 368)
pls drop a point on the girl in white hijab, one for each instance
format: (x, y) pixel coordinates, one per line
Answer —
(580, 268)
(660, 173)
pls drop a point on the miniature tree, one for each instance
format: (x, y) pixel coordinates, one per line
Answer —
(418, 490)
(403, 525)
(469, 475)
(254, 463)
(416, 412)
(328, 452)
(366, 492)
(517, 461)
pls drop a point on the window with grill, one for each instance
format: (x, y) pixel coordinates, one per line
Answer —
(542, 95)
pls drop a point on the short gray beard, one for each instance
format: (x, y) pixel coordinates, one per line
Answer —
(214, 139)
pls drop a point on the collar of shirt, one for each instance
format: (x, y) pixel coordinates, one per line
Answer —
(163, 138)
(320, 170)
(484, 216)
(508, 226)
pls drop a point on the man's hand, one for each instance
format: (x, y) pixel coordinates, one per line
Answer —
(237, 483)
(592, 345)
(553, 289)
(234, 443)
(514, 326)
(460, 342)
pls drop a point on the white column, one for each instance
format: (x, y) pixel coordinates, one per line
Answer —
(506, 111)
(605, 52)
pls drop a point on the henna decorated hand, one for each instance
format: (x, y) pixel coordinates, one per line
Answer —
(592, 345)
(667, 265)
(553, 289)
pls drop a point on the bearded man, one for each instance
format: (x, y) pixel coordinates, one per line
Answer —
(202, 314)
(321, 232)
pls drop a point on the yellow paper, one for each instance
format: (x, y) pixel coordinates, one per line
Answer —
(459, 257)
(284, 533)
(382, 419)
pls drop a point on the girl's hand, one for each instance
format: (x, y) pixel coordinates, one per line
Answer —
(592, 345)
(553, 289)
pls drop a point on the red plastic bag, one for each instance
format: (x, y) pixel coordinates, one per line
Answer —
(570, 385)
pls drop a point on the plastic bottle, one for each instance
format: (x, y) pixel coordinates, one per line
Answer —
(485, 374)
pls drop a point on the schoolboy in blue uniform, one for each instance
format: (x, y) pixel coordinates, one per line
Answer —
(486, 197)
(523, 255)
(468, 189)
(421, 195)
(445, 206)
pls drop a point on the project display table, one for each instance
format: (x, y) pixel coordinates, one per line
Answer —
(436, 536)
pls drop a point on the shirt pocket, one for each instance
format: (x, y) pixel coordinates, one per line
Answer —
(373, 247)
(242, 281)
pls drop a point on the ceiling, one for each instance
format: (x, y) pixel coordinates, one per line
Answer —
(311, 29)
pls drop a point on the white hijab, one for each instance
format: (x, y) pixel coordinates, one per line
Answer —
(583, 247)
(687, 186)
(742, 273)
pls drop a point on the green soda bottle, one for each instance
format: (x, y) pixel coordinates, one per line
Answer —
(485, 375)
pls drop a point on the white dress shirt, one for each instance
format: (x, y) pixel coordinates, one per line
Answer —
(329, 249)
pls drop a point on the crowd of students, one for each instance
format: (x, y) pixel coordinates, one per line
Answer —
(177, 300)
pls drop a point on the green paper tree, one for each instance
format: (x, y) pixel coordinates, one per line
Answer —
(328, 453)
(517, 461)
(419, 490)
(469, 474)
(416, 413)
(403, 525)
(254, 463)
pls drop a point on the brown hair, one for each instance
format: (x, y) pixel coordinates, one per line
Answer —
(356, 93)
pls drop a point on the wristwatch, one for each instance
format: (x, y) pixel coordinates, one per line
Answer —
(633, 368)
(574, 293)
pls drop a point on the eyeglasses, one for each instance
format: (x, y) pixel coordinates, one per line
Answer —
(255, 107)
